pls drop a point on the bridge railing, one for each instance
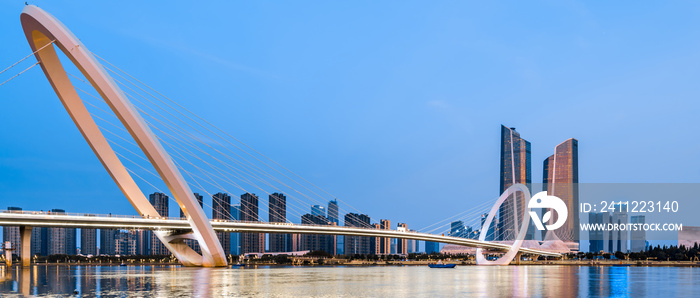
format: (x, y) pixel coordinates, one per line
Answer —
(176, 218)
(79, 214)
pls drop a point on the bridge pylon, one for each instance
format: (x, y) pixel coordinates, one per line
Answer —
(42, 29)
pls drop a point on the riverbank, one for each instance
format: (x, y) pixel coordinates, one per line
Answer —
(361, 263)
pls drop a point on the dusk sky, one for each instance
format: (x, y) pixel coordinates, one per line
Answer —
(394, 107)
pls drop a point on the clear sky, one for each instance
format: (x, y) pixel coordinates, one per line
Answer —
(393, 106)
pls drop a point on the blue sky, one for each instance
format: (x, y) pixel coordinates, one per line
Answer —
(393, 106)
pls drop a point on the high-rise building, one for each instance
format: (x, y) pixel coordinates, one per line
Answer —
(457, 229)
(612, 240)
(619, 238)
(71, 241)
(333, 217)
(141, 242)
(221, 210)
(236, 237)
(251, 242)
(107, 238)
(432, 247)
(278, 213)
(375, 242)
(125, 243)
(318, 210)
(341, 244)
(294, 242)
(560, 179)
(40, 241)
(638, 237)
(12, 234)
(412, 244)
(596, 237)
(88, 241)
(357, 244)
(314, 242)
(62, 240)
(384, 243)
(402, 244)
(333, 211)
(57, 238)
(160, 203)
(515, 168)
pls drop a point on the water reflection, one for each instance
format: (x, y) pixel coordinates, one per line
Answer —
(507, 281)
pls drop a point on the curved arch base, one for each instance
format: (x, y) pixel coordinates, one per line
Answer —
(175, 243)
(513, 251)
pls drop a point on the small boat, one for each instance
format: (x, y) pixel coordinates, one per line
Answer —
(238, 265)
(122, 264)
(439, 264)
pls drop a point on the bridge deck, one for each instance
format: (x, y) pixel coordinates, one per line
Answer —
(46, 219)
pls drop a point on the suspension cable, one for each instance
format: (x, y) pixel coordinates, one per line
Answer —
(20, 60)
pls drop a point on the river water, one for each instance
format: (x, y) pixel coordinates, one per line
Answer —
(377, 281)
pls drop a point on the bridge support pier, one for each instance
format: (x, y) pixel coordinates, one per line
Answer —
(25, 282)
(25, 233)
(518, 256)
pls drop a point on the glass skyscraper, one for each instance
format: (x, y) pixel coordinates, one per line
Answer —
(333, 211)
(560, 179)
(318, 210)
(515, 168)
(457, 229)
(432, 247)
(334, 218)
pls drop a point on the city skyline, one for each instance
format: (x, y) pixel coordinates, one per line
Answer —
(435, 155)
(349, 148)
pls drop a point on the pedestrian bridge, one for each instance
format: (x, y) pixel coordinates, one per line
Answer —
(177, 227)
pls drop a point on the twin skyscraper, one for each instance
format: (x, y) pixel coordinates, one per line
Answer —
(559, 178)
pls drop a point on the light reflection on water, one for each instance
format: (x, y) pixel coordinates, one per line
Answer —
(175, 281)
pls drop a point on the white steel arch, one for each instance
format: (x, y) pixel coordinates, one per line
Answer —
(514, 249)
(41, 28)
